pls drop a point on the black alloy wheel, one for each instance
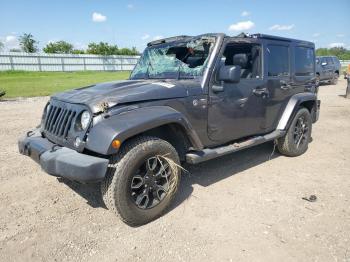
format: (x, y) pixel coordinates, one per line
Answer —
(300, 132)
(151, 183)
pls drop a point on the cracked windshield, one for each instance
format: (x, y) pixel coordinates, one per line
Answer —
(180, 59)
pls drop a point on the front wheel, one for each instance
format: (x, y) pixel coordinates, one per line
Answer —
(297, 138)
(317, 80)
(142, 181)
(334, 80)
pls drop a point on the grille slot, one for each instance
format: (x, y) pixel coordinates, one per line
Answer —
(58, 121)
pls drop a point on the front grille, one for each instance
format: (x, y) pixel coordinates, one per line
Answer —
(59, 121)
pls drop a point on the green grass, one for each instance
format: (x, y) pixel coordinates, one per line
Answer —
(28, 84)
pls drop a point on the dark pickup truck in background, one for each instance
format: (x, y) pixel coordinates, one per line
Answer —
(327, 69)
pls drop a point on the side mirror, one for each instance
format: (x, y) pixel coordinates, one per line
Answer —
(231, 74)
(324, 63)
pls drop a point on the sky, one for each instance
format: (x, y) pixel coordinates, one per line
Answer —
(130, 23)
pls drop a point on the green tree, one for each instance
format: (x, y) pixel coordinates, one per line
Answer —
(102, 48)
(59, 47)
(128, 51)
(78, 52)
(340, 52)
(27, 43)
(1, 46)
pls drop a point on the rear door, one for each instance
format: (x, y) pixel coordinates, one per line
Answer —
(278, 73)
(330, 67)
(303, 71)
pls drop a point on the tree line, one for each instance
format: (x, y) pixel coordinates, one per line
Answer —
(28, 44)
(340, 52)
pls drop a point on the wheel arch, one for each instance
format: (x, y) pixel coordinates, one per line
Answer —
(306, 100)
(160, 121)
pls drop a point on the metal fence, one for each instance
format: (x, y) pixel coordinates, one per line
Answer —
(65, 62)
(344, 62)
(70, 62)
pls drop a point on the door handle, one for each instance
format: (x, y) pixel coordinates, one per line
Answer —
(285, 85)
(261, 92)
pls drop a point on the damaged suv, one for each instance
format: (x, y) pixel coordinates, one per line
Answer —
(189, 99)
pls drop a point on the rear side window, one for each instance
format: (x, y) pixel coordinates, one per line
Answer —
(329, 60)
(335, 60)
(304, 61)
(278, 60)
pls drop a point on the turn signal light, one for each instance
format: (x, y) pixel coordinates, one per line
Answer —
(116, 144)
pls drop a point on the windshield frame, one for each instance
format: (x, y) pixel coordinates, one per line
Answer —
(177, 72)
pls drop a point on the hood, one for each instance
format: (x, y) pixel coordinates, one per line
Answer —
(119, 92)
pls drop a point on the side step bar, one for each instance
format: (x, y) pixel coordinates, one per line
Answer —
(196, 157)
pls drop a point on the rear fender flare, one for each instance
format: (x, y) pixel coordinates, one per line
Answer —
(292, 107)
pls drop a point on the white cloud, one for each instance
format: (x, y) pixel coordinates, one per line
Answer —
(278, 27)
(245, 13)
(158, 37)
(10, 42)
(336, 45)
(80, 46)
(316, 35)
(241, 26)
(145, 36)
(97, 17)
(340, 35)
(130, 6)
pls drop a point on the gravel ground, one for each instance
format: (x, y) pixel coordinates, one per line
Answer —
(242, 207)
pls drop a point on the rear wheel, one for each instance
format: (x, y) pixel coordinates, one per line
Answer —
(143, 180)
(297, 138)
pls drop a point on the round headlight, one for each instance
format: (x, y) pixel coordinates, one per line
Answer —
(85, 119)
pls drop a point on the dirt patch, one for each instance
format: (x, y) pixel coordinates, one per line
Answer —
(239, 207)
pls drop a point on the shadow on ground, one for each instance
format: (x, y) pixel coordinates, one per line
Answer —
(204, 174)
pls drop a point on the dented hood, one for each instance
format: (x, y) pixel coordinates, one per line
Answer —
(112, 93)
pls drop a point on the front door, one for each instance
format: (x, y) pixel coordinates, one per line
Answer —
(238, 110)
(325, 73)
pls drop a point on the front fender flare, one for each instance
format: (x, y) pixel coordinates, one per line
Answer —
(292, 107)
(128, 124)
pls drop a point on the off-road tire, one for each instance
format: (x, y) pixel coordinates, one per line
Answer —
(334, 79)
(115, 186)
(286, 145)
(317, 80)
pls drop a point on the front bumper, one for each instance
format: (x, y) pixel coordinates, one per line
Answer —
(62, 161)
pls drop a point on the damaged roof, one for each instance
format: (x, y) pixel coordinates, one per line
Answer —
(241, 35)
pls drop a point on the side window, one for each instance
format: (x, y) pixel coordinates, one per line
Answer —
(329, 61)
(247, 56)
(278, 60)
(304, 61)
